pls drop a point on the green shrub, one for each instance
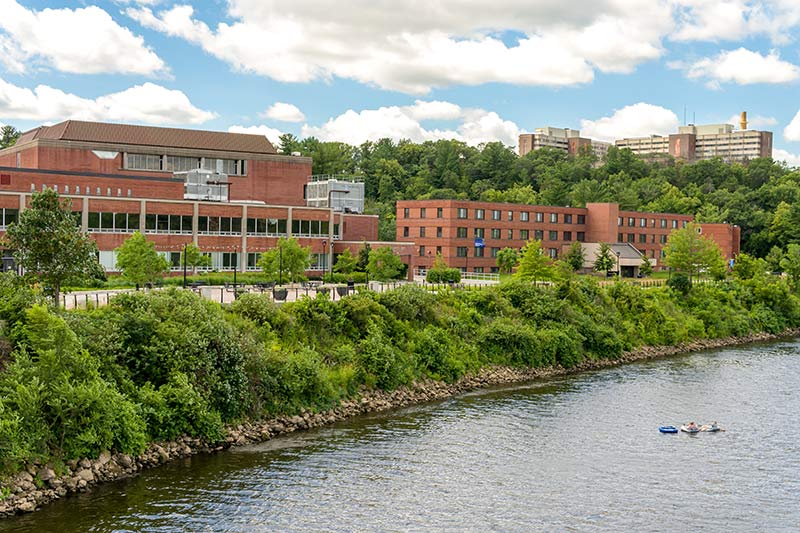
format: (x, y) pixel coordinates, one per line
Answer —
(381, 362)
(680, 283)
(443, 275)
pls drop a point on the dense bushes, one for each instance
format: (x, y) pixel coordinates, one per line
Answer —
(158, 365)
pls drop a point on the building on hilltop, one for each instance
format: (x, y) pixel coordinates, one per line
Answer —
(468, 234)
(231, 194)
(564, 139)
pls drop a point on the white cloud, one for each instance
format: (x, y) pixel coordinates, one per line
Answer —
(271, 134)
(732, 20)
(418, 45)
(147, 103)
(84, 41)
(744, 67)
(284, 112)
(792, 131)
(474, 126)
(637, 120)
(793, 160)
(754, 122)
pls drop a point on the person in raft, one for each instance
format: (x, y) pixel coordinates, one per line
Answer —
(691, 426)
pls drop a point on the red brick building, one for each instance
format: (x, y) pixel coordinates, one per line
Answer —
(454, 227)
(231, 194)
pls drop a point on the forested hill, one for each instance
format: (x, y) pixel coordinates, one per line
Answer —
(762, 197)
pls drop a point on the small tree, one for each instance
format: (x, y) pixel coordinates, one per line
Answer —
(345, 262)
(791, 264)
(49, 243)
(605, 260)
(384, 264)
(507, 259)
(748, 267)
(647, 267)
(534, 265)
(194, 257)
(574, 258)
(288, 254)
(690, 252)
(139, 261)
(363, 257)
(441, 273)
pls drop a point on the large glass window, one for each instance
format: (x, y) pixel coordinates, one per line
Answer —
(113, 222)
(143, 162)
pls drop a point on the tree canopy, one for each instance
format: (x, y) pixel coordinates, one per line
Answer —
(288, 260)
(605, 260)
(690, 252)
(534, 265)
(384, 264)
(139, 261)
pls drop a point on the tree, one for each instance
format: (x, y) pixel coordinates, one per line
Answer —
(774, 258)
(287, 260)
(605, 260)
(748, 267)
(534, 265)
(345, 262)
(688, 251)
(647, 267)
(9, 136)
(574, 258)
(791, 264)
(49, 243)
(384, 264)
(139, 261)
(507, 259)
(363, 257)
(194, 257)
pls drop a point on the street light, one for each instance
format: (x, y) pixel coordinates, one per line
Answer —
(184, 265)
(619, 269)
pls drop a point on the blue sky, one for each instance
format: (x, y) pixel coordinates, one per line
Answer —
(365, 69)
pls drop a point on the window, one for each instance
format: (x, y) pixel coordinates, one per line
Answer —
(8, 216)
(538, 234)
(631, 237)
(631, 222)
(422, 232)
(662, 239)
(653, 238)
(231, 167)
(663, 223)
(581, 219)
(405, 231)
(422, 212)
(554, 218)
(567, 219)
(406, 212)
(620, 237)
(143, 162)
(439, 212)
(552, 235)
(494, 252)
(438, 250)
(461, 251)
(539, 217)
(174, 163)
(568, 236)
(553, 252)
(461, 233)
(495, 214)
(674, 224)
(642, 222)
(619, 221)
(511, 216)
(479, 214)
(439, 231)
(643, 238)
(524, 216)
(422, 251)
(580, 236)
(652, 223)
(495, 233)
(510, 234)
(462, 212)
(683, 224)
(479, 233)
(479, 251)
(524, 234)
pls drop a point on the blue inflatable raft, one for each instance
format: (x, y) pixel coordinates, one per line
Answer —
(668, 429)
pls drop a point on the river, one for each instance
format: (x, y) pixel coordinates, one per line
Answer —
(577, 453)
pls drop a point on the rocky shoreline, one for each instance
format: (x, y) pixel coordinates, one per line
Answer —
(39, 484)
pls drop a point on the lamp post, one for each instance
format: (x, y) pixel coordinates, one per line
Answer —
(184, 265)
(619, 268)
(235, 266)
(330, 263)
(324, 252)
(280, 264)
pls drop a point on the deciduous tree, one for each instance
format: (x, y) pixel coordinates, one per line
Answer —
(139, 261)
(688, 251)
(288, 260)
(194, 257)
(574, 258)
(384, 264)
(507, 259)
(534, 265)
(345, 262)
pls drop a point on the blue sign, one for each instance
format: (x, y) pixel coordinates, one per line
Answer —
(479, 243)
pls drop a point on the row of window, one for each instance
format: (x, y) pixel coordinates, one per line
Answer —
(173, 163)
(461, 251)
(76, 189)
(643, 238)
(497, 214)
(8, 216)
(219, 260)
(663, 223)
(495, 233)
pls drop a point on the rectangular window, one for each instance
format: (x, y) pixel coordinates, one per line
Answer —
(663, 223)
(568, 236)
(631, 237)
(422, 232)
(662, 239)
(494, 252)
(438, 250)
(510, 234)
(461, 233)
(511, 216)
(524, 234)
(567, 219)
(631, 222)
(461, 251)
(581, 219)
(554, 218)
(479, 233)
(495, 214)
(580, 236)
(620, 238)
(643, 238)
(462, 213)
(674, 224)
(479, 251)
(552, 235)
(174, 163)
(495, 233)
(439, 231)
(642, 222)
(439, 212)
(553, 252)
(422, 212)
(619, 221)
(94, 220)
(538, 234)
(539, 217)
(479, 214)
(652, 223)
(422, 251)
(406, 211)
(143, 162)
(524, 216)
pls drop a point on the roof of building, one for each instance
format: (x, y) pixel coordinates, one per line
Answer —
(102, 132)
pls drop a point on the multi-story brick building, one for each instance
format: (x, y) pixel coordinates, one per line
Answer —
(564, 139)
(452, 228)
(231, 194)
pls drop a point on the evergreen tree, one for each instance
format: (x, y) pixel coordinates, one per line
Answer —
(574, 258)
(605, 260)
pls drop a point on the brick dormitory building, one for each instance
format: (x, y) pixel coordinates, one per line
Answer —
(452, 228)
(231, 194)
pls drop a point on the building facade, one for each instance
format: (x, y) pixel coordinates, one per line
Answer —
(230, 194)
(564, 139)
(469, 234)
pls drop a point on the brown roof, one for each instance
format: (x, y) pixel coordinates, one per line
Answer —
(101, 132)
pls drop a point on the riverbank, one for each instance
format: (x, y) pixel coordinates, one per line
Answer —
(39, 484)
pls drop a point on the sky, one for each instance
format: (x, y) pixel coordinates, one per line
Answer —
(473, 70)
